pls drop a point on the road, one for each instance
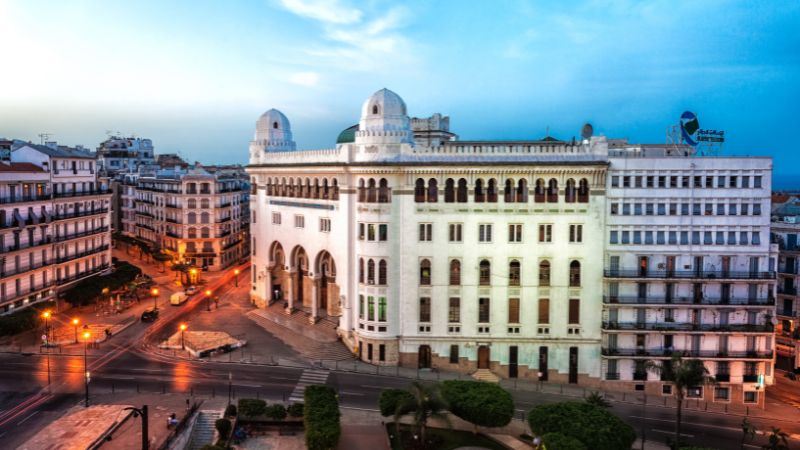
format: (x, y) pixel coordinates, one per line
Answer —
(124, 368)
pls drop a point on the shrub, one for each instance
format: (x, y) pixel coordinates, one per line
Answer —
(480, 403)
(23, 320)
(230, 411)
(212, 447)
(223, 426)
(295, 410)
(251, 407)
(87, 291)
(321, 418)
(391, 398)
(597, 399)
(557, 441)
(594, 427)
(276, 411)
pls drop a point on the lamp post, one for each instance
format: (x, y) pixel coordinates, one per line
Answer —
(236, 276)
(208, 300)
(86, 336)
(154, 293)
(230, 386)
(75, 322)
(183, 328)
(142, 412)
(193, 273)
(46, 316)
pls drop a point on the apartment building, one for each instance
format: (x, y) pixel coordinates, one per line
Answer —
(785, 229)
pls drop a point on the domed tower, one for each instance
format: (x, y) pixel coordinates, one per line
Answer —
(273, 134)
(384, 120)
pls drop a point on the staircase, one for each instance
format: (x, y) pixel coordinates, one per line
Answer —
(203, 431)
(311, 341)
(486, 375)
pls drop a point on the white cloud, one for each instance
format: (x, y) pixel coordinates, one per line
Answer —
(309, 79)
(328, 11)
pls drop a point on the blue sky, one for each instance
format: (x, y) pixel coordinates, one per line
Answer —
(195, 75)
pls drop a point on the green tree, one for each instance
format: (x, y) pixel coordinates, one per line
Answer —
(162, 258)
(181, 270)
(594, 427)
(390, 399)
(597, 399)
(684, 374)
(557, 441)
(223, 426)
(425, 403)
(480, 403)
(777, 440)
(748, 432)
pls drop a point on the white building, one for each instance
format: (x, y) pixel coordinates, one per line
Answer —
(785, 230)
(54, 223)
(469, 255)
(121, 154)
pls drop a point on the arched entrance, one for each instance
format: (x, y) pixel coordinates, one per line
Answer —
(328, 290)
(278, 277)
(483, 357)
(299, 277)
(424, 357)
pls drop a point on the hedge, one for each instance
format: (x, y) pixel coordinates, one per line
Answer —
(391, 398)
(87, 291)
(24, 319)
(594, 427)
(480, 403)
(295, 410)
(321, 418)
(251, 407)
(276, 412)
(223, 426)
(557, 441)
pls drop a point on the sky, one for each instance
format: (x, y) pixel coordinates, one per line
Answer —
(195, 75)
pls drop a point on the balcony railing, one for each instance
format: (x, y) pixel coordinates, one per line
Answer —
(612, 375)
(92, 251)
(21, 270)
(80, 214)
(677, 326)
(787, 269)
(232, 244)
(37, 243)
(787, 290)
(653, 300)
(640, 376)
(222, 234)
(667, 353)
(25, 198)
(722, 377)
(787, 313)
(749, 378)
(67, 237)
(172, 234)
(145, 214)
(172, 220)
(224, 219)
(146, 227)
(172, 205)
(690, 274)
(78, 276)
(82, 193)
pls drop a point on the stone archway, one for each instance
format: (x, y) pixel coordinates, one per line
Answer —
(327, 291)
(299, 282)
(278, 281)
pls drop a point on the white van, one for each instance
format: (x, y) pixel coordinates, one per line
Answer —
(177, 298)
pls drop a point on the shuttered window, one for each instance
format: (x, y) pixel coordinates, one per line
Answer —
(574, 311)
(544, 310)
(513, 310)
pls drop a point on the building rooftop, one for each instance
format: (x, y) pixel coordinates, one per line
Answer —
(60, 151)
(19, 167)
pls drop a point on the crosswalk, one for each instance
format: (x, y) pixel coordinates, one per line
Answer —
(309, 377)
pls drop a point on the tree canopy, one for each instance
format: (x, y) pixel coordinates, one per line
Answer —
(594, 427)
(478, 402)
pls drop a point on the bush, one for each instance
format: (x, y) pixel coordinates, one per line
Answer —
(23, 320)
(230, 411)
(391, 398)
(223, 426)
(557, 441)
(480, 403)
(251, 407)
(87, 291)
(212, 447)
(276, 411)
(295, 410)
(321, 418)
(594, 427)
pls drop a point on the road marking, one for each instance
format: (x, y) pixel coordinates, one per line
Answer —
(672, 432)
(695, 424)
(23, 420)
(352, 393)
(281, 378)
(373, 387)
(309, 377)
(248, 385)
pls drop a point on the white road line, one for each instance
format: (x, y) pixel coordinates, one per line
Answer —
(695, 424)
(373, 387)
(351, 393)
(672, 432)
(23, 420)
(248, 385)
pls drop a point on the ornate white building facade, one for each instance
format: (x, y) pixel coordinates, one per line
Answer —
(471, 255)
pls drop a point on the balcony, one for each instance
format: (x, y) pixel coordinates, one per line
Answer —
(172, 205)
(787, 270)
(612, 375)
(145, 214)
(749, 378)
(145, 201)
(722, 377)
(146, 227)
(223, 220)
(224, 205)
(68, 237)
(232, 244)
(80, 214)
(668, 352)
(82, 193)
(78, 276)
(222, 234)
(172, 234)
(21, 270)
(788, 313)
(65, 258)
(17, 247)
(640, 376)
(786, 290)
(690, 274)
(676, 326)
(24, 199)
(172, 220)
(653, 300)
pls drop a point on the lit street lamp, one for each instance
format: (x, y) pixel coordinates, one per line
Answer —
(193, 273)
(142, 412)
(86, 336)
(236, 278)
(208, 300)
(183, 328)
(46, 316)
(154, 293)
(75, 322)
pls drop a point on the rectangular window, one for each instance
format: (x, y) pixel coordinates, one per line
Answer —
(731, 238)
(513, 310)
(546, 233)
(757, 181)
(425, 232)
(515, 232)
(720, 209)
(626, 237)
(454, 354)
(648, 237)
(684, 237)
(614, 181)
(684, 209)
(370, 308)
(383, 232)
(276, 218)
(574, 311)
(743, 238)
(381, 309)
(626, 181)
(720, 240)
(662, 209)
(756, 209)
(745, 182)
(732, 209)
(695, 209)
(695, 238)
(324, 225)
(649, 209)
(685, 181)
(485, 232)
(673, 209)
(745, 209)
(662, 181)
(698, 181)
(756, 238)
(425, 309)
(544, 311)
(626, 209)
(733, 180)
(709, 209)
(299, 221)
(454, 232)
(371, 232)
(720, 181)
(637, 181)
(483, 310)
(454, 310)
(576, 233)
(613, 237)
(361, 307)
(637, 237)
(660, 238)
(637, 209)
(614, 209)
(361, 232)
(673, 238)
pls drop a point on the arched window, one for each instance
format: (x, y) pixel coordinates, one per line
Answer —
(462, 191)
(382, 272)
(192, 233)
(508, 192)
(204, 232)
(362, 191)
(204, 203)
(275, 125)
(583, 191)
(204, 218)
(522, 191)
(384, 192)
(491, 191)
(449, 191)
(192, 217)
(370, 271)
(552, 191)
(335, 195)
(283, 187)
(425, 272)
(455, 272)
(538, 191)
(374, 109)
(320, 193)
(433, 191)
(574, 274)
(544, 273)
(480, 195)
(419, 191)
(191, 203)
(570, 192)
(514, 273)
(372, 191)
(361, 270)
(485, 273)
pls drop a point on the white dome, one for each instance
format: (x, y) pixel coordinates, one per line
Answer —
(273, 126)
(383, 103)
(384, 120)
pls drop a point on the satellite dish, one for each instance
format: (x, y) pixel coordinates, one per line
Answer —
(587, 131)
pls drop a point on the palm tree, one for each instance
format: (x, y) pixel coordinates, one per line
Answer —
(684, 374)
(748, 432)
(425, 403)
(597, 399)
(777, 440)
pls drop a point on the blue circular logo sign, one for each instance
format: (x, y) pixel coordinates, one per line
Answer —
(689, 127)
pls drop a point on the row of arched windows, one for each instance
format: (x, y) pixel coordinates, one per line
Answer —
(370, 191)
(204, 233)
(485, 273)
(369, 276)
(192, 217)
(303, 188)
(192, 203)
(513, 192)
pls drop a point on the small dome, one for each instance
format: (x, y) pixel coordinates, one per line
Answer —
(348, 135)
(273, 126)
(384, 103)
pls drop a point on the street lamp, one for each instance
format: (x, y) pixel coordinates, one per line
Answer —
(236, 278)
(208, 300)
(75, 322)
(86, 336)
(154, 293)
(46, 316)
(193, 272)
(142, 412)
(230, 386)
(183, 328)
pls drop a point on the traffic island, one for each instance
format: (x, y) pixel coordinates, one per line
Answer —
(79, 428)
(201, 344)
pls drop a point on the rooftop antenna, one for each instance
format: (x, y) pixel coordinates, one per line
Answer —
(44, 137)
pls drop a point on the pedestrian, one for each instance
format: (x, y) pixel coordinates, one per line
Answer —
(216, 302)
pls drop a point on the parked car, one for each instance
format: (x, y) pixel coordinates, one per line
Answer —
(177, 298)
(150, 315)
(191, 290)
